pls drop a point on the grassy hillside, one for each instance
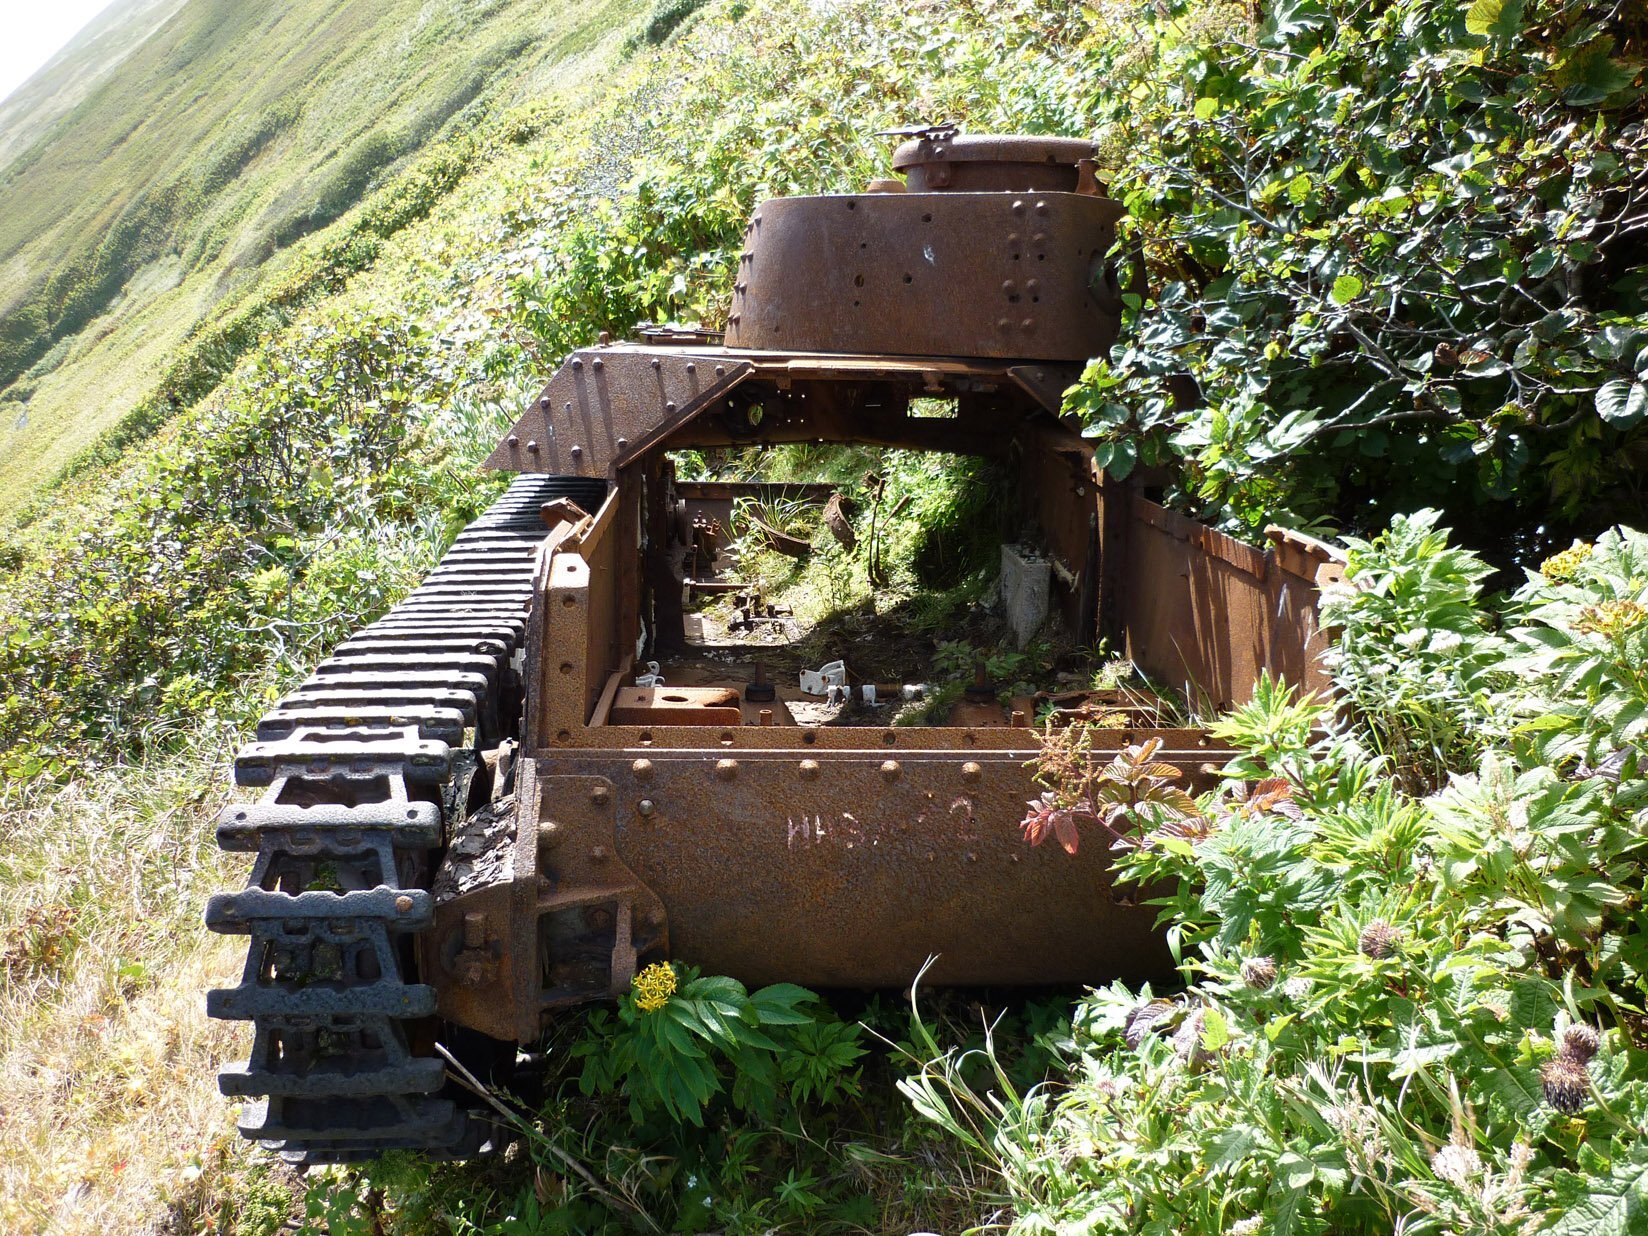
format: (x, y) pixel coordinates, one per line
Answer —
(1388, 948)
(70, 75)
(142, 199)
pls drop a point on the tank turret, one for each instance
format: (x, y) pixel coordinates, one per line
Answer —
(991, 246)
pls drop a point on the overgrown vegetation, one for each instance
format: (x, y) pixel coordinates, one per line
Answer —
(132, 227)
(1415, 971)
(1392, 256)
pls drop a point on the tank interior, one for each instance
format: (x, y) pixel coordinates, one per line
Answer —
(922, 552)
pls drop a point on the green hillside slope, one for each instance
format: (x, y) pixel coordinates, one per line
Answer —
(138, 206)
(68, 77)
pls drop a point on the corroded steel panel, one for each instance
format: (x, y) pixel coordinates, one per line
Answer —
(607, 405)
(1206, 613)
(919, 274)
(942, 158)
(854, 869)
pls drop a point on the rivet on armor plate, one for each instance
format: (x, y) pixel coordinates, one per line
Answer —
(970, 771)
(598, 363)
(890, 769)
(726, 770)
(576, 363)
(599, 795)
(646, 806)
(598, 853)
(403, 904)
(809, 770)
(642, 770)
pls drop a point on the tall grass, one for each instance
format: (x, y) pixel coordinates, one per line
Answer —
(110, 1115)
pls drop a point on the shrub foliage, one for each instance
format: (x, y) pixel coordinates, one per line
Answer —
(1394, 255)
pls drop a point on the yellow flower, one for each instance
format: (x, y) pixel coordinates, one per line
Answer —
(653, 987)
(1561, 568)
(1611, 618)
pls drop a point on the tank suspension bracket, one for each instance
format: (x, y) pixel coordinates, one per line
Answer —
(364, 776)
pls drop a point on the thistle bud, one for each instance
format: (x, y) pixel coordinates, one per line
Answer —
(1259, 972)
(1378, 940)
(1567, 1085)
(1579, 1042)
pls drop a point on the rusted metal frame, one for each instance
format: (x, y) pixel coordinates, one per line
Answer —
(863, 428)
(581, 869)
(806, 739)
(535, 646)
(942, 158)
(1046, 383)
(1313, 560)
(484, 941)
(608, 405)
(618, 430)
(661, 578)
(599, 546)
(1058, 492)
(829, 856)
(1206, 612)
(704, 493)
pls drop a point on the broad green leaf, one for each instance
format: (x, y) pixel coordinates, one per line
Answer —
(1482, 14)
(1215, 1032)
(1346, 288)
(1499, 18)
(1517, 1089)
(1622, 402)
(1615, 1205)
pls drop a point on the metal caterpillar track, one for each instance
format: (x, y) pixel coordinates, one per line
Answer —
(365, 770)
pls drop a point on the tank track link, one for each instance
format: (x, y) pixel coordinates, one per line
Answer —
(364, 770)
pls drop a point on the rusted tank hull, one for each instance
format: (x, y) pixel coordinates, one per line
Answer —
(634, 792)
(855, 869)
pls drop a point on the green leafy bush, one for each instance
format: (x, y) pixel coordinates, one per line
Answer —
(1409, 1006)
(678, 1048)
(1394, 256)
(666, 18)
